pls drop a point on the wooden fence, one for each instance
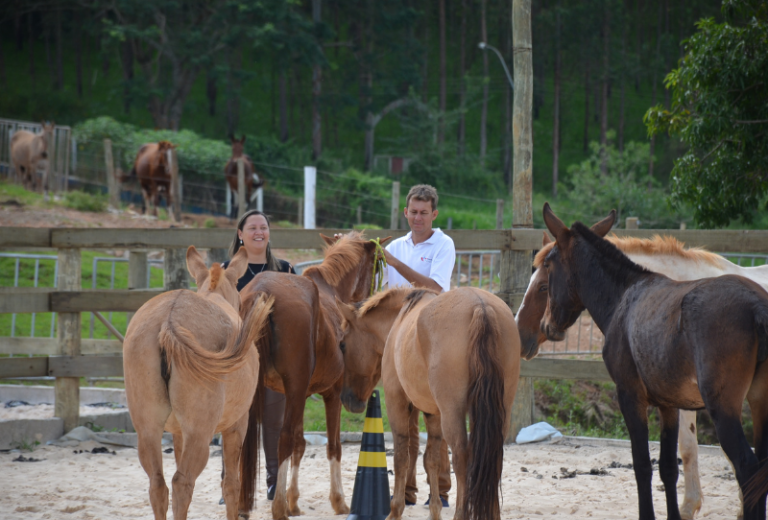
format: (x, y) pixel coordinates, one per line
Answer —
(70, 357)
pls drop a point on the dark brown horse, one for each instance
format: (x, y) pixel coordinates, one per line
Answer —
(673, 345)
(300, 355)
(253, 181)
(153, 172)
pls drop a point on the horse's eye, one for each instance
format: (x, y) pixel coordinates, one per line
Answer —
(543, 288)
(342, 346)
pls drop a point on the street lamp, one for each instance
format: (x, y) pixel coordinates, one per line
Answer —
(484, 46)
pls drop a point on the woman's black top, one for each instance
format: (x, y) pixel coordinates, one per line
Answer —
(254, 269)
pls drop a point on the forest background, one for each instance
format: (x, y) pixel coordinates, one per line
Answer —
(305, 79)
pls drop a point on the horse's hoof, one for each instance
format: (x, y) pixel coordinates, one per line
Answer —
(343, 509)
(295, 512)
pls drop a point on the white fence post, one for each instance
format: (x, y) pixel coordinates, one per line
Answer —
(310, 182)
(395, 207)
(229, 200)
(260, 199)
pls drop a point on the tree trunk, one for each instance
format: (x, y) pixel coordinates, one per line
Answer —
(667, 54)
(294, 101)
(484, 109)
(606, 81)
(283, 80)
(623, 72)
(655, 86)
(638, 40)
(317, 85)
(211, 91)
(59, 84)
(522, 208)
(127, 59)
(505, 43)
(425, 63)
(19, 33)
(443, 90)
(556, 123)
(2, 65)
(78, 17)
(233, 90)
(585, 145)
(461, 137)
(31, 39)
(48, 55)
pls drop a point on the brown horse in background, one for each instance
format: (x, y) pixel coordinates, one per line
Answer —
(191, 370)
(300, 355)
(29, 153)
(153, 173)
(252, 179)
(448, 355)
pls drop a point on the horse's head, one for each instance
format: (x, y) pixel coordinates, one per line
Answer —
(238, 146)
(362, 349)
(564, 305)
(531, 311)
(216, 280)
(163, 147)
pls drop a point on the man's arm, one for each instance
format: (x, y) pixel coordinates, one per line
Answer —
(416, 279)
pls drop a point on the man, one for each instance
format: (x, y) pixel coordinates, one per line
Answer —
(423, 258)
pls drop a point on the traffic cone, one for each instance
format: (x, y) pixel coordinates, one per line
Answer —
(370, 498)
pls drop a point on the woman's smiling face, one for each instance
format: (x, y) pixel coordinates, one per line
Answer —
(255, 233)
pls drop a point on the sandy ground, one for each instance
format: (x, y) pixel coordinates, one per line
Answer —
(90, 486)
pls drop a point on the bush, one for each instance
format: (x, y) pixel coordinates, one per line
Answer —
(83, 201)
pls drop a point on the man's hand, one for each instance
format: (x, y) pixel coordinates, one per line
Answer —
(391, 259)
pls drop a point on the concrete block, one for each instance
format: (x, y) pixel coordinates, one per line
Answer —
(108, 421)
(29, 430)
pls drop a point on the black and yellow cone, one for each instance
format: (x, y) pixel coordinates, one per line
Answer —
(370, 498)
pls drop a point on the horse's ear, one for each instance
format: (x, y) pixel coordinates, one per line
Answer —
(383, 241)
(555, 225)
(604, 226)
(237, 266)
(242, 139)
(328, 240)
(196, 266)
(348, 311)
(232, 138)
(545, 240)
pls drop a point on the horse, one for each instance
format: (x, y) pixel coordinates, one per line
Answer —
(665, 255)
(300, 353)
(673, 345)
(153, 173)
(29, 152)
(190, 370)
(252, 179)
(447, 355)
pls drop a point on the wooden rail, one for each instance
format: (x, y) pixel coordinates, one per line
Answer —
(69, 357)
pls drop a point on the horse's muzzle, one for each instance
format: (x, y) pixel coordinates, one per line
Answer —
(351, 401)
(529, 345)
(552, 333)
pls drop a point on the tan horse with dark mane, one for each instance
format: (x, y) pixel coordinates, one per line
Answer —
(448, 355)
(300, 355)
(190, 370)
(252, 179)
(28, 153)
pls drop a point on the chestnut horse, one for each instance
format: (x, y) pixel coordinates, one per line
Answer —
(28, 153)
(153, 173)
(252, 179)
(673, 345)
(665, 255)
(189, 370)
(300, 354)
(448, 355)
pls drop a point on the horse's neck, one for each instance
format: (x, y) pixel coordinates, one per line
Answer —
(380, 321)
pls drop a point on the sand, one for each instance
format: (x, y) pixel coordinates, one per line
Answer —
(100, 486)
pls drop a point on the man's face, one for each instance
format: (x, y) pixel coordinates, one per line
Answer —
(420, 215)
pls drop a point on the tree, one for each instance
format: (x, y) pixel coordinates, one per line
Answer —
(719, 110)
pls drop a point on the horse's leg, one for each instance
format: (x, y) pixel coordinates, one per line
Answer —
(689, 452)
(150, 437)
(455, 432)
(155, 200)
(668, 470)
(299, 445)
(231, 447)
(193, 461)
(144, 200)
(332, 402)
(178, 447)
(399, 413)
(411, 487)
(432, 463)
(293, 420)
(635, 411)
(758, 404)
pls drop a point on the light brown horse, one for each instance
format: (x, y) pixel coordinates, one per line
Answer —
(153, 173)
(189, 370)
(300, 354)
(253, 181)
(29, 152)
(448, 355)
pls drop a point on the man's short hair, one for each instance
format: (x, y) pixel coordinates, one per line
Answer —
(423, 192)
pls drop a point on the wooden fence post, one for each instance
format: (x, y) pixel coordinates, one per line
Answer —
(137, 273)
(499, 213)
(242, 205)
(632, 223)
(175, 269)
(395, 209)
(175, 209)
(301, 212)
(519, 262)
(112, 184)
(67, 389)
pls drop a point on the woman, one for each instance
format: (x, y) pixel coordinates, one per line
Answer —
(253, 235)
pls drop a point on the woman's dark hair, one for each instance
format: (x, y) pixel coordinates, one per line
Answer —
(272, 263)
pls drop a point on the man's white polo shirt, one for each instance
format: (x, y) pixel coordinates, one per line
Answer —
(434, 258)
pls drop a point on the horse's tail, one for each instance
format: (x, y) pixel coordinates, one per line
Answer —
(487, 417)
(256, 327)
(180, 348)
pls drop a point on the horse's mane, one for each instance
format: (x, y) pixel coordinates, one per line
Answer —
(366, 306)
(657, 245)
(216, 271)
(607, 249)
(414, 298)
(340, 258)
